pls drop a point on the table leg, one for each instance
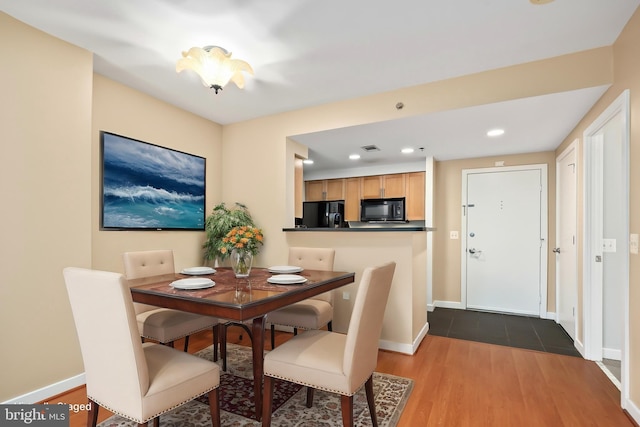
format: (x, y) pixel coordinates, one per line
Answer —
(258, 362)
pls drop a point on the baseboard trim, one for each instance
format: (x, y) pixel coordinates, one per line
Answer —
(612, 353)
(46, 392)
(448, 304)
(632, 411)
(409, 349)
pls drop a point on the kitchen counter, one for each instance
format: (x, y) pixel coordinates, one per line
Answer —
(371, 226)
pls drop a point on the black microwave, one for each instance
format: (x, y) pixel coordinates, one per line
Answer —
(382, 209)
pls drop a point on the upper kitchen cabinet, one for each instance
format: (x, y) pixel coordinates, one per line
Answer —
(352, 199)
(415, 205)
(325, 189)
(383, 186)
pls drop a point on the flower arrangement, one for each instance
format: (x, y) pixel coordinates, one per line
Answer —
(246, 237)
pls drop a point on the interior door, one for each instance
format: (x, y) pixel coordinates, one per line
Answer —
(503, 240)
(566, 256)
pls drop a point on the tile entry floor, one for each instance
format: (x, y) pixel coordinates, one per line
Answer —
(503, 329)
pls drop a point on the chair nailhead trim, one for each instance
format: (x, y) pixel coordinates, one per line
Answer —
(158, 414)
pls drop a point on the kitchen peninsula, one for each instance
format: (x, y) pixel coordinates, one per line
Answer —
(358, 247)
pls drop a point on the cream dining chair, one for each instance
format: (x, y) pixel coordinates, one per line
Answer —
(137, 380)
(162, 324)
(332, 361)
(314, 312)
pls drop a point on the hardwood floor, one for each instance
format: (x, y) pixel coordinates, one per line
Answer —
(463, 383)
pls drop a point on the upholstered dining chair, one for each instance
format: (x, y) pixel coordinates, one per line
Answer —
(164, 325)
(332, 361)
(137, 380)
(312, 313)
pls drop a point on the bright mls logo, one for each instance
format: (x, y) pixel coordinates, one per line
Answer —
(34, 415)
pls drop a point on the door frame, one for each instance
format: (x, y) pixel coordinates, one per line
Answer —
(573, 146)
(593, 229)
(544, 241)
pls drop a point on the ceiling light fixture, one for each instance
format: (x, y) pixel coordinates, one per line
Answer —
(307, 161)
(495, 132)
(540, 1)
(407, 150)
(354, 156)
(214, 66)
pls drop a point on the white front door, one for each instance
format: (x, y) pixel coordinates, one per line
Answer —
(505, 218)
(566, 233)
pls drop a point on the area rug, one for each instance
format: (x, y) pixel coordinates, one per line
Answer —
(391, 394)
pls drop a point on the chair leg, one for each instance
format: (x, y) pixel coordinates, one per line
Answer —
(330, 326)
(92, 414)
(223, 345)
(346, 403)
(273, 337)
(295, 331)
(186, 343)
(368, 387)
(310, 391)
(216, 340)
(214, 407)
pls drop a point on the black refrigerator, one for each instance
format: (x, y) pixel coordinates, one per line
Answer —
(324, 214)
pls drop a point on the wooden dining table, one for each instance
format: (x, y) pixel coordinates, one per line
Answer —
(238, 300)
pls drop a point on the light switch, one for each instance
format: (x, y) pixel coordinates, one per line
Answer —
(633, 243)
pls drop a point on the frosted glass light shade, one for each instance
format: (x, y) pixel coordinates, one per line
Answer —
(214, 66)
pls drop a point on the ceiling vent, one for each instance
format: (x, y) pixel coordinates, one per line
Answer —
(370, 148)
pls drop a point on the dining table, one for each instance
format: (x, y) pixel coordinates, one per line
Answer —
(238, 299)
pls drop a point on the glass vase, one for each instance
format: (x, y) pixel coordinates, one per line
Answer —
(241, 261)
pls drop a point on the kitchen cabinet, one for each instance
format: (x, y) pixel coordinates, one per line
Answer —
(415, 188)
(351, 190)
(383, 186)
(352, 199)
(325, 189)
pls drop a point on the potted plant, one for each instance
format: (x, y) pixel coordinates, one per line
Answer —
(218, 224)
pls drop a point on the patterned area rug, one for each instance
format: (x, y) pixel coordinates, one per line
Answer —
(391, 394)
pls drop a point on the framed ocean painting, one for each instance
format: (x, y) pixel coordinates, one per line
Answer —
(148, 187)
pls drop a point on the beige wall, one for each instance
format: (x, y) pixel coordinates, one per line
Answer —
(448, 217)
(53, 108)
(45, 188)
(121, 110)
(626, 51)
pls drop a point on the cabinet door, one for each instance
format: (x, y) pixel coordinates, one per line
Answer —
(415, 196)
(371, 187)
(393, 185)
(314, 191)
(352, 199)
(334, 189)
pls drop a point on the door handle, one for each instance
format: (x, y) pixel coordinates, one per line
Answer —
(556, 250)
(474, 251)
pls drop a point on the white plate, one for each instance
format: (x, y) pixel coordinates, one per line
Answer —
(286, 279)
(198, 270)
(200, 283)
(285, 269)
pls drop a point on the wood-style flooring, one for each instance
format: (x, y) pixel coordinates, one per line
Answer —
(464, 383)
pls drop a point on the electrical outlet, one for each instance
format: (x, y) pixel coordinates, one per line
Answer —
(633, 243)
(453, 235)
(346, 295)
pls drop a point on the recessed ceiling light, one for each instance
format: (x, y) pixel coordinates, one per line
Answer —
(354, 156)
(540, 1)
(407, 150)
(495, 132)
(307, 161)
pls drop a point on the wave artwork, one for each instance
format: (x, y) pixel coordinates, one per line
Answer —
(145, 186)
